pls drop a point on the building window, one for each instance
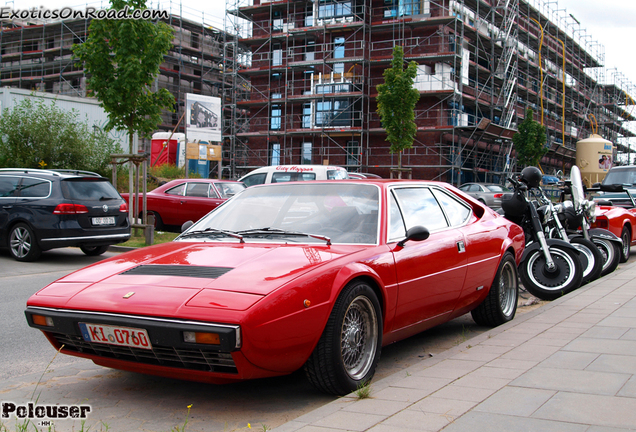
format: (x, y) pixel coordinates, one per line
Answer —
(353, 153)
(305, 158)
(277, 21)
(309, 16)
(277, 55)
(276, 117)
(310, 48)
(306, 116)
(194, 40)
(329, 9)
(338, 53)
(274, 154)
(402, 8)
(333, 113)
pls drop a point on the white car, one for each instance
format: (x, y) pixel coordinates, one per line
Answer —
(289, 173)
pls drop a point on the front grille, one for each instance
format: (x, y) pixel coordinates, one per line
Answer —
(178, 270)
(193, 359)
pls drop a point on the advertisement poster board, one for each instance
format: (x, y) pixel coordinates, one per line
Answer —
(203, 118)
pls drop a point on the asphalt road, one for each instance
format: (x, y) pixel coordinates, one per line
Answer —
(143, 402)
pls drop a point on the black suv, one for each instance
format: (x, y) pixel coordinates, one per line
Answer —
(46, 209)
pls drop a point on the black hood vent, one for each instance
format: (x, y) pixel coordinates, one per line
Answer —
(178, 270)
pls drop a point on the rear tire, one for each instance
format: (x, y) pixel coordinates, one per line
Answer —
(23, 244)
(611, 253)
(626, 236)
(93, 250)
(349, 349)
(500, 305)
(549, 285)
(158, 221)
(593, 258)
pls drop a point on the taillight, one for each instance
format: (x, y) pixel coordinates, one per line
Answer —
(498, 195)
(123, 208)
(601, 223)
(70, 209)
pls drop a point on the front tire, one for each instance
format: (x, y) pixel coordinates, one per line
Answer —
(626, 236)
(93, 250)
(500, 305)
(546, 284)
(611, 253)
(23, 244)
(349, 349)
(593, 259)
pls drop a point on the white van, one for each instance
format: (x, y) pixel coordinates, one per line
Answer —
(288, 173)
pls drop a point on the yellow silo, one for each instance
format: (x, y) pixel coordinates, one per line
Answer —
(594, 157)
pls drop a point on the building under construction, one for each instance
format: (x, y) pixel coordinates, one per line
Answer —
(38, 56)
(311, 67)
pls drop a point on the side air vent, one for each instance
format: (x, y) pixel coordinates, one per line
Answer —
(178, 270)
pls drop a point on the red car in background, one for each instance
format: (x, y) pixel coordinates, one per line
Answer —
(183, 200)
(317, 274)
(620, 220)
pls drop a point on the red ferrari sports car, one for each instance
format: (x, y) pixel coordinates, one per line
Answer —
(179, 201)
(620, 220)
(317, 275)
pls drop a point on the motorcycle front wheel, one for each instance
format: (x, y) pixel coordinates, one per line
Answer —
(549, 284)
(591, 258)
(611, 253)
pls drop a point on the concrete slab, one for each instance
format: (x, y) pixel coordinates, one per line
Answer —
(581, 381)
(590, 409)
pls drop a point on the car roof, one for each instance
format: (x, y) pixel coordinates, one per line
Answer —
(203, 180)
(62, 173)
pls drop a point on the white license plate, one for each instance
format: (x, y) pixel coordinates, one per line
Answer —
(109, 220)
(123, 336)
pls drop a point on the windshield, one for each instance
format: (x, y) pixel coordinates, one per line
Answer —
(228, 190)
(622, 176)
(344, 213)
(89, 189)
(337, 175)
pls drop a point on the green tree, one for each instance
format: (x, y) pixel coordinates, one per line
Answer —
(122, 58)
(529, 141)
(396, 103)
(35, 134)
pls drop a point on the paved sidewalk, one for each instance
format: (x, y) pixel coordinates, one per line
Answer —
(567, 366)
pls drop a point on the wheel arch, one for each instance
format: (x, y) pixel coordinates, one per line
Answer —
(359, 272)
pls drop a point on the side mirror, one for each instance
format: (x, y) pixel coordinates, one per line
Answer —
(186, 225)
(417, 233)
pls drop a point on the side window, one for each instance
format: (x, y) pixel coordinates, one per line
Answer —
(177, 190)
(306, 176)
(464, 188)
(457, 212)
(35, 188)
(255, 179)
(197, 190)
(8, 186)
(396, 223)
(213, 191)
(282, 177)
(474, 188)
(419, 207)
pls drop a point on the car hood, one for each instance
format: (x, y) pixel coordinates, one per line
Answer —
(168, 276)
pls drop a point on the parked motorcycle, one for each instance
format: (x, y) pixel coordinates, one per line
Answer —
(552, 217)
(549, 268)
(580, 217)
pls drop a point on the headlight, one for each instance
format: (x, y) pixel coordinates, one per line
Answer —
(590, 210)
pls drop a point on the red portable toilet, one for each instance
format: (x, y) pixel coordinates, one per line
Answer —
(163, 151)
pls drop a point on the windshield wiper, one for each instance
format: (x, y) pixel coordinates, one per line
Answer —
(214, 231)
(278, 231)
